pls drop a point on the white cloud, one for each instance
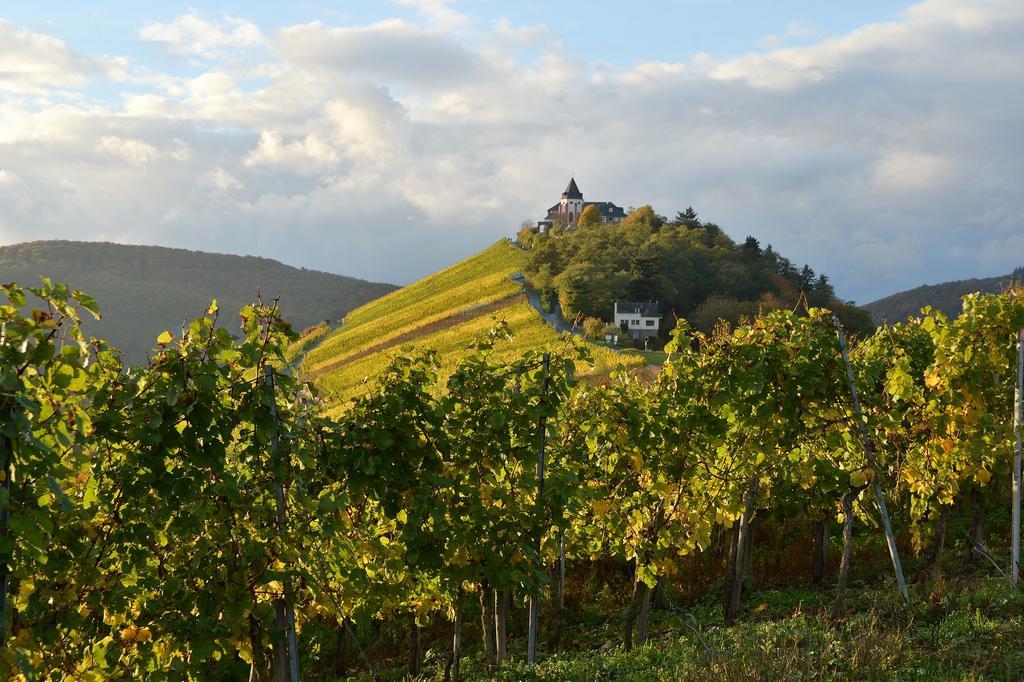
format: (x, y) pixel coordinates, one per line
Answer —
(965, 15)
(794, 29)
(648, 72)
(912, 170)
(192, 35)
(135, 152)
(140, 154)
(310, 155)
(881, 157)
(219, 180)
(391, 51)
(439, 13)
(146, 105)
(180, 150)
(32, 62)
(924, 42)
(537, 34)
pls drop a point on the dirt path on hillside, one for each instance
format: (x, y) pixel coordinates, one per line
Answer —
(427, 329)
(555, 317)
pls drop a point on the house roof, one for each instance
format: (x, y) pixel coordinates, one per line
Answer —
(644, 309)
(607, 208)
(572, 191)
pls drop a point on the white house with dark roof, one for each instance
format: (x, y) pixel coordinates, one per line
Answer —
(641, 320)
(571, 205)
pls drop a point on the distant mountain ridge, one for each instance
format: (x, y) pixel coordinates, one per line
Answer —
(143, 290)
(944, 297)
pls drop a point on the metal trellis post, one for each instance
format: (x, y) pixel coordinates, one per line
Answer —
(282, 525)
(869, 455)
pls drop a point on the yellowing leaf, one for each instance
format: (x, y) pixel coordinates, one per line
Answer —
(133, 633)
(244, 649)
(212, 310)
(983, 476)
(165, 338)
(600, 508)
(858, 478)
(666, 566)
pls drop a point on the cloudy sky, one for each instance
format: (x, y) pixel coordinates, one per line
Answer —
(880, 142)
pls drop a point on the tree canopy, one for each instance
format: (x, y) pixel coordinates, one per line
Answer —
(692, 267)
(591, 217)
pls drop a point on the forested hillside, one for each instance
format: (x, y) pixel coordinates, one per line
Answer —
(692, 267)
(144, 290)
(944, 297)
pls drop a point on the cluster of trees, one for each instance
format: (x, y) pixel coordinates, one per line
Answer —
(200, 517)
(692, 267)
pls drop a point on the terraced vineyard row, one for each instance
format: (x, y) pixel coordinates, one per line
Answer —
(445, 312)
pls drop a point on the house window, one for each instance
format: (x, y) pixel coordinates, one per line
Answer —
(649, 323)
(634, 323)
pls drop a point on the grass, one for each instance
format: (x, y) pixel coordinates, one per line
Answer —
(656, 358)
(528, 328)
(955, 629)
(445, 311)
(477, 281)
(308, 339)
(653, 357)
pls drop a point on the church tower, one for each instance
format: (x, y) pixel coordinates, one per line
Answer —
(571, 204)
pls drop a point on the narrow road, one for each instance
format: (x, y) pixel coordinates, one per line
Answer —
(554, 318)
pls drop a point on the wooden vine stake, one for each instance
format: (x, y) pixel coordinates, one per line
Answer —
(284, 608)
(7, 453)
(500, 632)
(531, 646)
(869, 455)
(1018, 394)
(561, 571)
(457, 639)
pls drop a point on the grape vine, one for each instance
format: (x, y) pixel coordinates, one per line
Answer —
(141, 535)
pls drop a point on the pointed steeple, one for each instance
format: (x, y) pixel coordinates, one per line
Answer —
(572, 191)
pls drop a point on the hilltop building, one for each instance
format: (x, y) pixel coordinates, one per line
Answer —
(569, 208)
(641, 320)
